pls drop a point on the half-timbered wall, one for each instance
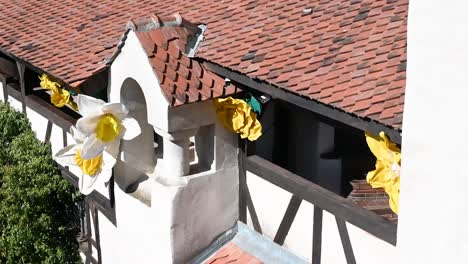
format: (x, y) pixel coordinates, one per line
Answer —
(295, 140)
(270, 204)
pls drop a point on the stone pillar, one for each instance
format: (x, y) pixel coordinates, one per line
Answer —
(176, 157)
(176, 161)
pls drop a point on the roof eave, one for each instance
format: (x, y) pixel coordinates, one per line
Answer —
(326, 111)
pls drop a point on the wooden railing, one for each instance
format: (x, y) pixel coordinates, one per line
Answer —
(322, 199)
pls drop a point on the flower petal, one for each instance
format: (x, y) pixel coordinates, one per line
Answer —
(87, 183)
(106, 172)
(113, 148)
(66, 156)
(92, 147)
(117, 109)
(132, 128)
(60, 98)
(87, 125)
(89, 106)
(77, 135)
(109, 161)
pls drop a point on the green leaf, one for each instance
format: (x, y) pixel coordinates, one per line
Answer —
(38, 220)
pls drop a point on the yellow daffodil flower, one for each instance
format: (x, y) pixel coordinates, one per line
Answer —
(94, 172)
(89, 167)
(387, 168)
(104, 125)
(59, 96)
(237, 116)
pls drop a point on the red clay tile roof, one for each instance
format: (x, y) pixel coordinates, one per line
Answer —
(230, 253)
(183, 79)
(350, 54)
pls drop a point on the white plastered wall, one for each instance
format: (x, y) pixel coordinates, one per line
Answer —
(433, 208)
(132, 62)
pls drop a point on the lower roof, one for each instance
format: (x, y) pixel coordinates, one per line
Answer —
(244, 245)
(347, 54)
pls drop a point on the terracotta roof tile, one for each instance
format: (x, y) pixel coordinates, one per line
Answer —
(230, 253)
(267, 39)
(183, 79)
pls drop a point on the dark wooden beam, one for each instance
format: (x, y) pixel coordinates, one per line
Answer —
(242, 182)
(90, 213)
(326, 112)
(48, 132)
(57, 116)
(3, 80)
(252, 211)
(288, 219)
(97, 235)
(345, 241)
(14, 91)
(50, 112)
(67, 175)
(64, 137)
(21, 72)
(317, 236)
(32, 67)
(323, 198)
(89, 233)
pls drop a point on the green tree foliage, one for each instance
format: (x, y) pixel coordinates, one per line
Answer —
(37, 219)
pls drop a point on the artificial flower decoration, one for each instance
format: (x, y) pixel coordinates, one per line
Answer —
(254, 103)
(104, 125)
(387, 168)
(95, 171)
(60, 97)
(237, 116)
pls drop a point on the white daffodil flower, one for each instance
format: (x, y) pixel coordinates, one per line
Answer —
(104, 125)
(95, 171)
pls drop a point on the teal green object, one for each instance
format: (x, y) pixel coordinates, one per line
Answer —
(254, 103)
(73, 93)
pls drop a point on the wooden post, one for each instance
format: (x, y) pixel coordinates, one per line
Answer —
(48, 132)
(242, 182)
(252, 211)
(3, 79)
(317, 236)
(21, 71)
(288, 219)
(345, 241)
